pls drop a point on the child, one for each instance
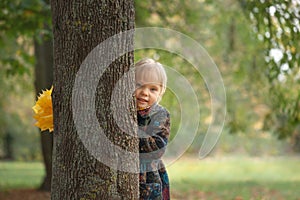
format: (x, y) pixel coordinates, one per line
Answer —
(154, 129)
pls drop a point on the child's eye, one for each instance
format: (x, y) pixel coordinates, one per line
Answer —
(154, 89)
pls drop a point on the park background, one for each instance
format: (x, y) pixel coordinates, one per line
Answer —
(255, 45)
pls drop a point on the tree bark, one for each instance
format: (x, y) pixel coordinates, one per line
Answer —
(43, 80)
(78, 27)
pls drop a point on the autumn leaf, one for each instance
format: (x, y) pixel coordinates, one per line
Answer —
(43, 111)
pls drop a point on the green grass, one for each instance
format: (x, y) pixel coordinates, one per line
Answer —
(247, 178)
(211, 178)
(20, 175)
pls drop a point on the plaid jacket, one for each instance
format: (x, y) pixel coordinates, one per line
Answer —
(154, 131)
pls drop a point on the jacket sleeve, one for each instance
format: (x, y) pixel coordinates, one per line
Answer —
(154, 138)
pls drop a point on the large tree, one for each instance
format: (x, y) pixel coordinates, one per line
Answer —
(78, 27)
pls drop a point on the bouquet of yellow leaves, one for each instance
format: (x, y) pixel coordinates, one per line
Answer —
(43, 111)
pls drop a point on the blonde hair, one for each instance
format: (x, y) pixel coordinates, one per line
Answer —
(149, 68)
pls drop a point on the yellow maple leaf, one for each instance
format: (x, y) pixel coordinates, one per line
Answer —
(43, 111)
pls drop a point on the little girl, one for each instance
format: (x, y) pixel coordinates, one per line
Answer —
(154, 129)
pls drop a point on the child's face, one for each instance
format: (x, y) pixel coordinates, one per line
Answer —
(146, 93)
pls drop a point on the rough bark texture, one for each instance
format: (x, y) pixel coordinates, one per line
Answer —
(43, 80)
(78, 27)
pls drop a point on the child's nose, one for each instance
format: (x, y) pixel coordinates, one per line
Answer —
(145, 91)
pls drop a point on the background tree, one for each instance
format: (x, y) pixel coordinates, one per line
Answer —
(78, 27)
(26, 24)
(224, 31)
(277, 25)
(43, 49)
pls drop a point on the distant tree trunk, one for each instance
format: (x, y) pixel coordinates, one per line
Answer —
(231, 35)
(78, 27)
(8, 146)
(295, 139)
(43, 80)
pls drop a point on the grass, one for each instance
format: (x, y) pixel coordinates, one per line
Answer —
(211, 178)
(238, 177)
(20, 175)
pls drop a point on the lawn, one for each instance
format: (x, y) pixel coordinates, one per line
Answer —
(236, 178)
(212, 178)
(20, 175)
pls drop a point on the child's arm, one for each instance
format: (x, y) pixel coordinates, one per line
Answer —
(152, 142)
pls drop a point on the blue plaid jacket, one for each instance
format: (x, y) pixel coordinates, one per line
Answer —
(154, 131)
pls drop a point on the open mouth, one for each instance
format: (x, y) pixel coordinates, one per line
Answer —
(142, 100)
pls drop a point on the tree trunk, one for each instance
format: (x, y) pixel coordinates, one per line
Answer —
(78, 27)
(8, 146)
(43, 80)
